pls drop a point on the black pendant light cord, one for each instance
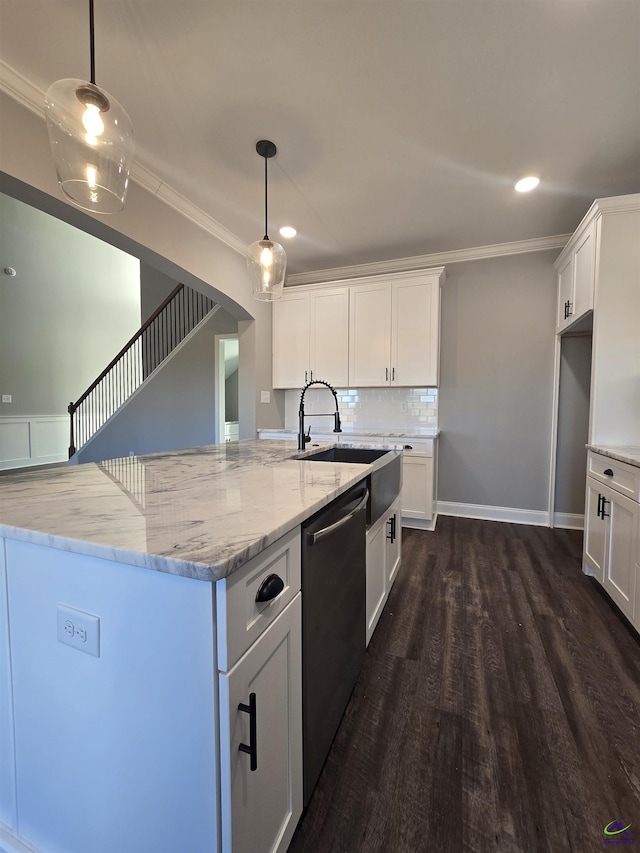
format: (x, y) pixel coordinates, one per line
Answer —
(266, 229)
(92, 45)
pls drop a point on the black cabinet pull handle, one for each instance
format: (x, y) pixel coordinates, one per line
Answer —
(386, 374)
(608, 472)
(391, 535)
(408, 447)
(599, 506)
(393, 374)
(270, 588)
(252, 749)
(605, 501)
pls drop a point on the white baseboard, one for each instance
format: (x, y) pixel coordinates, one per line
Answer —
(568, 520)
(494, 513)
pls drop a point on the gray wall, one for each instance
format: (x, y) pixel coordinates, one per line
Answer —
(175, 409)
(496, 381)
(155, 286)
(73, 304)
(573, 423)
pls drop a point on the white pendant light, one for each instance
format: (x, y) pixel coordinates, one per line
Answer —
(91, 140)
(266, 260)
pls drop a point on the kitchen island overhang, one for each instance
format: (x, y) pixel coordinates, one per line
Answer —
(199, 513)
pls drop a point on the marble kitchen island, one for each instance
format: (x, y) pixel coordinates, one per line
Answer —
(123, 735)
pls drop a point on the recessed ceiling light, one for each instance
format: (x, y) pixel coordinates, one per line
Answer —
(288, 231)
(524, 185)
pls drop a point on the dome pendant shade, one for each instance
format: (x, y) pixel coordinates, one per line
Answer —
(266, 260)
(91, 141)
(267, 264)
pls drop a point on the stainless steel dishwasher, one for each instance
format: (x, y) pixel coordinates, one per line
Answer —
(333, 621)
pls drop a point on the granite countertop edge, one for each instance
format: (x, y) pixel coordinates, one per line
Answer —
(628, 454)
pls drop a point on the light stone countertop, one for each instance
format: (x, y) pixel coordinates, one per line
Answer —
(631, 455)
(200, 513)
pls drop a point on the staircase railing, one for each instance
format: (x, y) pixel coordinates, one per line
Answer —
(170, 323)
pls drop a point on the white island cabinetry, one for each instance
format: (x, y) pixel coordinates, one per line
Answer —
(135, 748)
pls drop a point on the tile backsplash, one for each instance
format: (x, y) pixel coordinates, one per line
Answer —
(367, 408)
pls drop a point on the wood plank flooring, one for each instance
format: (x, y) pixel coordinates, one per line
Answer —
(498, 708)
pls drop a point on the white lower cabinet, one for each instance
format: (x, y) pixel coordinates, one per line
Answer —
(418, 482)
(261, 740)
(612, 531)
(393, 543)
(376, 574)
(621, 517)
(594, 531)
(384, 542)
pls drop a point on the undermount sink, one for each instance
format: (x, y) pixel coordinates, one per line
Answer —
(362, 455)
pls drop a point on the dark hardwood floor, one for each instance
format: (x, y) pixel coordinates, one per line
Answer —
(498, 708)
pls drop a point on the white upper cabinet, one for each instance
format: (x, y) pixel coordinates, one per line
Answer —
(365, 332)
(329, 339)
(394, 331)
(370, 334)
(291, 340)
(311, 337)
(415, 332)
(584, 255)
(576, 276)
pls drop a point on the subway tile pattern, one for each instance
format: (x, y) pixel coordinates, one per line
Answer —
(410, 409)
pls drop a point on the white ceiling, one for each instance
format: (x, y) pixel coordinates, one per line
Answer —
(401, 125)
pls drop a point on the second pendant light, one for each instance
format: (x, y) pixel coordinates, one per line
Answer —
(266, 260)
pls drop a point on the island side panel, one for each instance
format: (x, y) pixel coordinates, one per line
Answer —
(116, 752)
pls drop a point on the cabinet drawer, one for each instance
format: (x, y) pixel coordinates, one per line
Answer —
(241, 619)
(417, 446)
(622, 477)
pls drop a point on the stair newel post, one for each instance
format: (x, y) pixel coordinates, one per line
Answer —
(72, 447)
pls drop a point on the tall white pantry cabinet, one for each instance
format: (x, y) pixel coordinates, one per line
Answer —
(599, 272)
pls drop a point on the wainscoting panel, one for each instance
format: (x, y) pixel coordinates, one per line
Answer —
(37, 440)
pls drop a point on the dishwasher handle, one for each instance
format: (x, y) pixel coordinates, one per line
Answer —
(325, 531)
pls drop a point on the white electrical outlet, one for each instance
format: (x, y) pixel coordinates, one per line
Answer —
(6, 398)
(265, 396)
(79, 630)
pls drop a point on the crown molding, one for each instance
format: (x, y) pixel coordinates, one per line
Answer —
(23, 91)
(17, 87)
(478, 253)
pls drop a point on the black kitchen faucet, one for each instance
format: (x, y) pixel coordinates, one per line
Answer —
(302, 438)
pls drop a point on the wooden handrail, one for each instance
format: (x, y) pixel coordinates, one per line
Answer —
(73, 406)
